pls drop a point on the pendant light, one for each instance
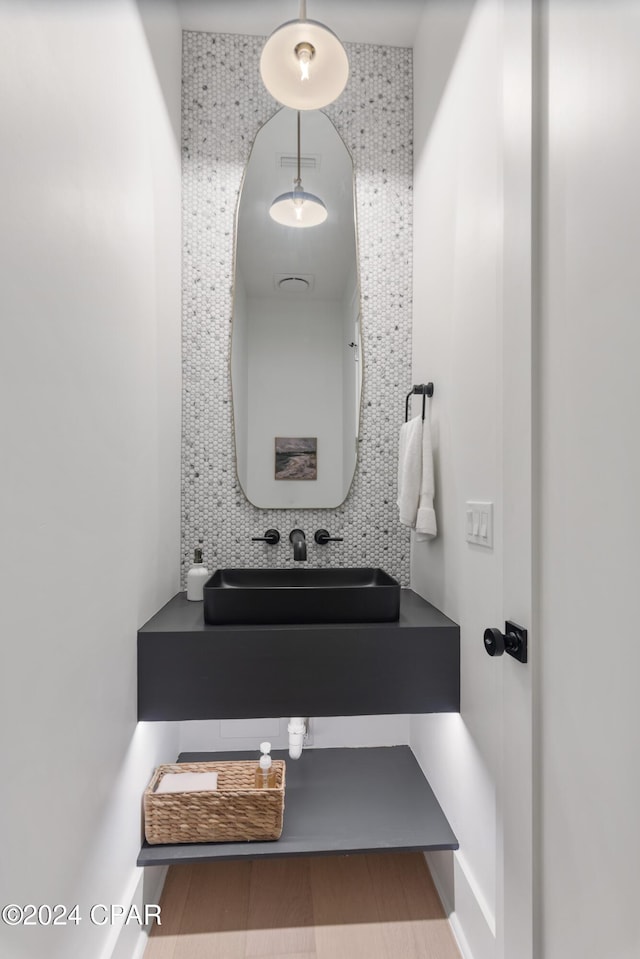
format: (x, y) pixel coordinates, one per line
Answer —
(298, 208)
(303, 64)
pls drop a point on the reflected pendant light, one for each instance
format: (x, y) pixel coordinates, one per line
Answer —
(298, 208)
(303, 64)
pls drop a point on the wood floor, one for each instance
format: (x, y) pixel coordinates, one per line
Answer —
(323, 907)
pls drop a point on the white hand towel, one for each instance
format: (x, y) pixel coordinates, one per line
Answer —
(410, 470)
(426, 526)
(187, 782)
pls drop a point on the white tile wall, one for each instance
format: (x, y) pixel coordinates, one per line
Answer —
(223, 105)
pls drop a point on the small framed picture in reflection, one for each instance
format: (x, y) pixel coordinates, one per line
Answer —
(296, 458)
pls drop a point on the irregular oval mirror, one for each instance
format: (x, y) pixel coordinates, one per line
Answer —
(295, 357)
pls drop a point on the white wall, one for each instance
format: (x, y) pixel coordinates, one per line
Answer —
(590, 477)
(294, 358)
(456, 317)
(90, 419)
(587, 775)
(325, 732)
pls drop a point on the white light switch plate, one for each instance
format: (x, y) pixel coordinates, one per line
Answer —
(479, 524)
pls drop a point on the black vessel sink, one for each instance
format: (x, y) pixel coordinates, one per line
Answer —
(301, 595)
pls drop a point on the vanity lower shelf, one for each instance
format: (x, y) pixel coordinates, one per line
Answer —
(337, 801)
(189, 670)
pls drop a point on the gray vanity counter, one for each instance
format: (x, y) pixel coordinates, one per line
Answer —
(189, 670)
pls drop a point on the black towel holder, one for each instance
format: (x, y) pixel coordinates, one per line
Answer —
(422, 389)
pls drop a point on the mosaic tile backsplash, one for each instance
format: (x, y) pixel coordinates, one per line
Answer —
(223, 105)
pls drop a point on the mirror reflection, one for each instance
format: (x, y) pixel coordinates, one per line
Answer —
(296, 363)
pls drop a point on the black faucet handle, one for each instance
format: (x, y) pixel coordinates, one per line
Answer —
(322, 537)
(272, 537)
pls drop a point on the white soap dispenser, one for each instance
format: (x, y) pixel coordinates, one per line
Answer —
(265, 773)
(197, 577)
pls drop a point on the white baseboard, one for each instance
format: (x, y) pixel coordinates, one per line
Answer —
(471, 922)
(435, 862)
(460, 937)
(445, 894)
(129, 941)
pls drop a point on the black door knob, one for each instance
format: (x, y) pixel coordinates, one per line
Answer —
(494, 642)
(512, 641)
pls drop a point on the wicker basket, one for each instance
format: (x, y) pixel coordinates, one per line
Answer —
(235, 811)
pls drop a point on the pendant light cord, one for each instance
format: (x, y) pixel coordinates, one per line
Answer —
(299, 180)
(303, 10)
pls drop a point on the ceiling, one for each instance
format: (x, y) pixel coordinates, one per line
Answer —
(390, 22)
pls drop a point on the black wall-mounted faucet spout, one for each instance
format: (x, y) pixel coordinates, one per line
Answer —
(296, 536)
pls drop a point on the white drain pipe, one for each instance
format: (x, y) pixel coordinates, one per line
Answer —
(297, 729)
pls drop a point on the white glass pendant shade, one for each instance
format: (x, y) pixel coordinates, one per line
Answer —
(304, 65)
(298, 209)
